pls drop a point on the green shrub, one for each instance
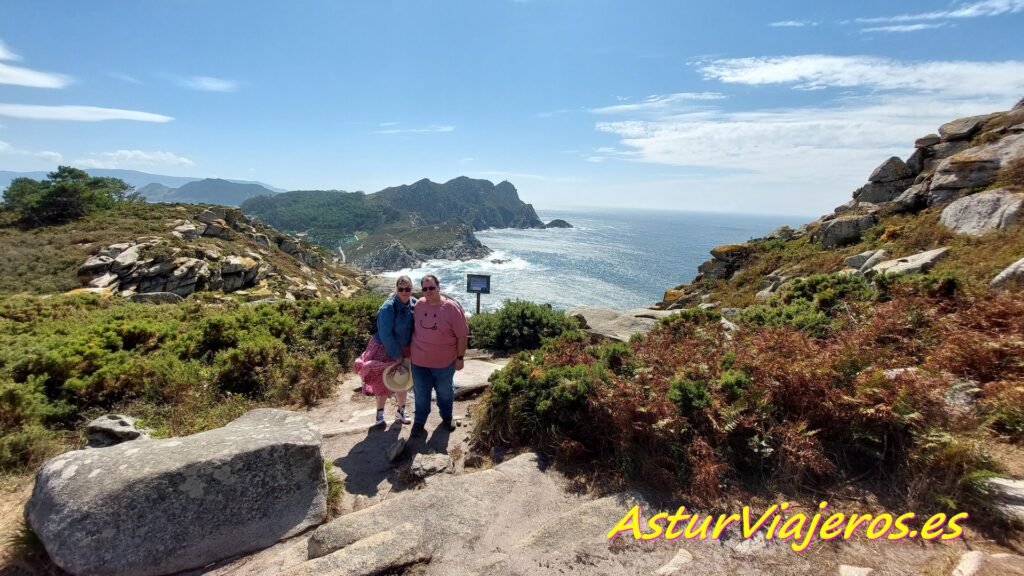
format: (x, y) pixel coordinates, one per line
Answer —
(733, 383)
(517, 325)
(691, 316)
(180, 369)
(690, 396)
(810, 304)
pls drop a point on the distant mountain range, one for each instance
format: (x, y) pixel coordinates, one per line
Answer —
(163, 188)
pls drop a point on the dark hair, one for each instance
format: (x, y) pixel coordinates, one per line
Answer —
(432, 277)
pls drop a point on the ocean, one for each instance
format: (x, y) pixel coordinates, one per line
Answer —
(614, 257)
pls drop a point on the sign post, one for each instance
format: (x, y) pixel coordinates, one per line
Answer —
(478, 284)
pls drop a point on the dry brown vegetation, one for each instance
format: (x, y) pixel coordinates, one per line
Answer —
(704, 415)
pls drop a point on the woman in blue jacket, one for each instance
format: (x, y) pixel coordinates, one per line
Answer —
(389, 345)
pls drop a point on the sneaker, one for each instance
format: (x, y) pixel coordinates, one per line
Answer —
(401, 417)
(417, 430)
(380, 417)
(448, 424)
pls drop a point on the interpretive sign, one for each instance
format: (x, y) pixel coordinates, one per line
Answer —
(478, 283)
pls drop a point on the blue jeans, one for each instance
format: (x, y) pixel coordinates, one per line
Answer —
(426, 379)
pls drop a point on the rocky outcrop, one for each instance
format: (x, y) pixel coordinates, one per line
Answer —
(152, 507)
(1011, 277)
(915, 264)
(1008, 496)
(616, 324)
(110, 430)
(558, 223)
(983, 212)
(448, 525)
(978, 166)
(726, 261)
(887, 181)
(190, 259)
(844, 230)
(396, 255)
(424, 465)
(304, 254)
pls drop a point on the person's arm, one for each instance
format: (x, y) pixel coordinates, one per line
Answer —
(460, 361)
(386, 330)
(461, 329)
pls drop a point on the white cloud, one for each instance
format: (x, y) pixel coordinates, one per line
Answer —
(6, 54)
(210, 84)
(49, 156)
(425, 130)
(969, 10)
(389, 123)
(78, 113)
(793, 23)
(813, 157)
(955, 78)
(34, 79)
(19, 76)
(656, 103)
(903, 27)
(133, 159)
(466, 160)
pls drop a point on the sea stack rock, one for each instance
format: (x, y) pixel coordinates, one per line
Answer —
(558, 223)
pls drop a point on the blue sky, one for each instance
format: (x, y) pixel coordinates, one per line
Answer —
(775, 107)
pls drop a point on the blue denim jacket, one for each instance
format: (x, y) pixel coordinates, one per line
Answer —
(394, 325)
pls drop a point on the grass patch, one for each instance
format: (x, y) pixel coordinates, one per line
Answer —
(335, 490)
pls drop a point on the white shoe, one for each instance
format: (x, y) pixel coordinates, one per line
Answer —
(401, 417)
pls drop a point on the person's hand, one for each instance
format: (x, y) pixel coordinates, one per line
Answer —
(459, 364)
(406, 351)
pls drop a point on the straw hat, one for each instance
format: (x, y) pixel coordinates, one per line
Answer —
(398, 376)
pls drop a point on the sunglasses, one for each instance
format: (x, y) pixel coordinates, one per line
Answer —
(404, 288)
(429, 288)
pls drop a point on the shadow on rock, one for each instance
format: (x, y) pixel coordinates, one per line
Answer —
(366, 464)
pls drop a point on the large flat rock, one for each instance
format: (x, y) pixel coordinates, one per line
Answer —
(151, 507)
(617, 324)
(915, 264)
(984, 212)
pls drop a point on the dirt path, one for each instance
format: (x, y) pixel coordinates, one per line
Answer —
(358, 449)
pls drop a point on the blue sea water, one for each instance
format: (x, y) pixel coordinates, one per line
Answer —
(620, 258)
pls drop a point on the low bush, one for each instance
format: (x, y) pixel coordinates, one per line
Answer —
(517, 325)
(180, 369)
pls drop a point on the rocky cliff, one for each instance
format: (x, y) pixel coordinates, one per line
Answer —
(402, 226)
(953, 205)
(215, 249)
(478, 203)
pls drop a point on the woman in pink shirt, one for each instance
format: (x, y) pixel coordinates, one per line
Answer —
(439, 338)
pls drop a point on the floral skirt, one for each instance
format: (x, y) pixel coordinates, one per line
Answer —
(371, 365)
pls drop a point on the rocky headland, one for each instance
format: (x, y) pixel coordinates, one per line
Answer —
(402, 226)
